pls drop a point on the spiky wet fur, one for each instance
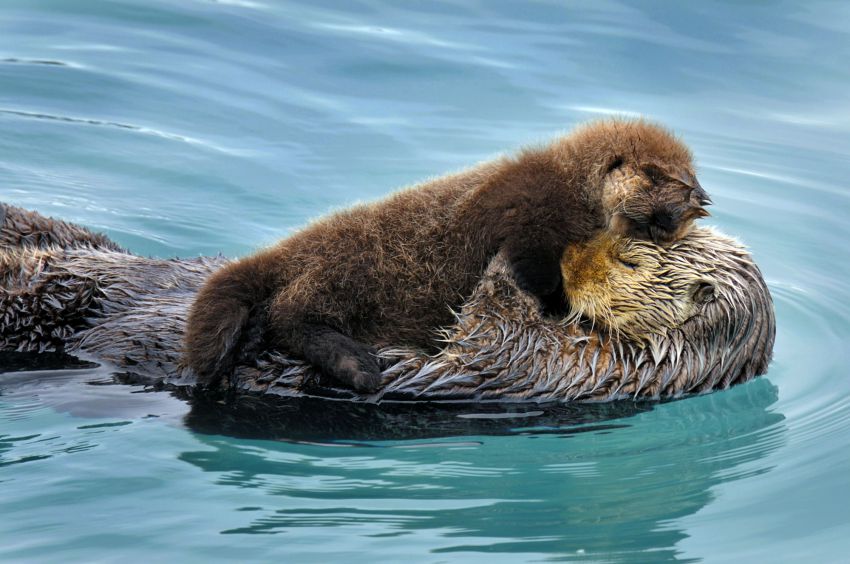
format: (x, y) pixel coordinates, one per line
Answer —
(131, 311)
(389, 272)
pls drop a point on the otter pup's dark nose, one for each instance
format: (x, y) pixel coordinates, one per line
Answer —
(704, 293)
(662, 227)
(658, 235)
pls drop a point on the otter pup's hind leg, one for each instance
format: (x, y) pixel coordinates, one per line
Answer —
(252, 339)
(341, 357)
(227, 320)
(212, 339)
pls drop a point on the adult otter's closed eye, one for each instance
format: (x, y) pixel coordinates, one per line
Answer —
(389, 272)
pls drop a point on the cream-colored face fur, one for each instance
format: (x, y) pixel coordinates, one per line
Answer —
(634, 288)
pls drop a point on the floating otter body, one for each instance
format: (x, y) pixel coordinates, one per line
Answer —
(94, 300)
(390, 272)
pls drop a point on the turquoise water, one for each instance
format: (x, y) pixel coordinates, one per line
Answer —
(197, 127)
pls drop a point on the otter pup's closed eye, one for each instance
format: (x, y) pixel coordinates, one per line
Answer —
(391, 272)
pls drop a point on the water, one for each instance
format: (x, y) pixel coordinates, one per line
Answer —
(197, 127)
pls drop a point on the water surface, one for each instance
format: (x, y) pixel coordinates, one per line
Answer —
(198, 127)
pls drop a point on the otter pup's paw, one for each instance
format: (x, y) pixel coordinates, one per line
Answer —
(358, 370)
(536, 271)
(341, 357)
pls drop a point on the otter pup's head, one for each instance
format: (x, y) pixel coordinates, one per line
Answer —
(637, 289)
(643, 174)
(652, 201)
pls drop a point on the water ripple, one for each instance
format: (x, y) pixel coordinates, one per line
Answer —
(46, 62)
(119, 125)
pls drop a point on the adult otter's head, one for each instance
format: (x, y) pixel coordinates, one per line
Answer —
(644, 175)
(690, 318)
(638, 290)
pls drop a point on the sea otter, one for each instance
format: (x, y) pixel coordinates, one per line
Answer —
(390, 272)
(659, 323)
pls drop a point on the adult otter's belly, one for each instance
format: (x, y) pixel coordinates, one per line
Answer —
(63, 288)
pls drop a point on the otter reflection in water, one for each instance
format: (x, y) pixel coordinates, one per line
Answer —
(701, 308)
(553, 493)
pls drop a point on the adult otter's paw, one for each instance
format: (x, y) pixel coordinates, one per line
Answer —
(342, 358)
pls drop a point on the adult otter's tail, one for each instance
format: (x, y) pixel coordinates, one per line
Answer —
(228, 319)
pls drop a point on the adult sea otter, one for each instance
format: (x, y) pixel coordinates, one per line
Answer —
(651, 322)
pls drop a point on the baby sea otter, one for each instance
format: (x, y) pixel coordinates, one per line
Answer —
(391, 271)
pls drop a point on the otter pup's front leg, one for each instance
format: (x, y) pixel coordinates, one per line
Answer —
(341, 357)
(536, 269)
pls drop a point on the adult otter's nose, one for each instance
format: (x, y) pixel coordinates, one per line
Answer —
(703, 292)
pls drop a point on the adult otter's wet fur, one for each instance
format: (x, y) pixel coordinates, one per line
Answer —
(389, 272)
(701, 307)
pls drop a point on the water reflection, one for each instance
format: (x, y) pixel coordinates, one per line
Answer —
(554, 494)
(322, 420)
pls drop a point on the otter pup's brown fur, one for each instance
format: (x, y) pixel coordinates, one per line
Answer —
(390, 271)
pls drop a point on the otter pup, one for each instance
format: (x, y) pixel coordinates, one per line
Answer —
(390, 272)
